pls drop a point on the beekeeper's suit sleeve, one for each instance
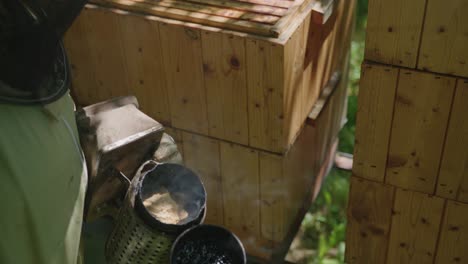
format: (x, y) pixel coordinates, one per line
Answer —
(42, 184)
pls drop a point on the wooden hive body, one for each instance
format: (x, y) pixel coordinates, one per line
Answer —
(249, 89)
(262, 196)
(409, 190)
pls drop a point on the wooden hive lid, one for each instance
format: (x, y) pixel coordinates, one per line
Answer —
(269, 18)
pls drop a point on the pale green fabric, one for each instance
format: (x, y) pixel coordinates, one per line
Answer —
(42, 184)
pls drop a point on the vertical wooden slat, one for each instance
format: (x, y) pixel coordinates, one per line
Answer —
(272, 196)
(224, 67)
(202, 155)
(453, 177)
(374, 115)
(84, 84)
(147, 82)
(369, 216)
(422, 107)
(306, 101)
(453, 242)
(328, 66)
(105, 40)
(183, 67)
(265, 79)
(393, 31)
(415, 227)
(240, 181)
(445, 38)
(294, 52)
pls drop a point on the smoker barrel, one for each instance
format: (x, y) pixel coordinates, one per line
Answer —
(139, 237)
(208, 244)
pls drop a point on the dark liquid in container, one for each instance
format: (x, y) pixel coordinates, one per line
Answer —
(202, 252)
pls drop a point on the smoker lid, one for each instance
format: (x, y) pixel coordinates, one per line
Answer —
(267, 18)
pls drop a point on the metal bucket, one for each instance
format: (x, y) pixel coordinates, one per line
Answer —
(141, 238)
(208, 244)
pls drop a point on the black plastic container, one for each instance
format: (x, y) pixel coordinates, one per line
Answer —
(208, 244)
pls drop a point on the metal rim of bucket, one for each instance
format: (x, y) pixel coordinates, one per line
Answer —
(154, 222)
(220, 228)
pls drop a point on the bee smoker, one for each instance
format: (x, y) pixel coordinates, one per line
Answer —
(117, 139)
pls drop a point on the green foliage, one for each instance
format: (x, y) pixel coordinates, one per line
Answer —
(325, 224)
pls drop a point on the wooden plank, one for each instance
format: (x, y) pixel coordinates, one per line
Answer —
(142, 47)
(216, 11)
(454, 235)
(302, 14)
(272, 7)
(415, 226)
(281, 250)
(331, 28)
(84, 84)
(443, 44)
(189, 16)
(453, 177)
(393, 31)
(299, 172)
(224, 66)
(265, 92)
(324, 99)
(420, 120)
(291, 16)
(324, 136)
(369, 216)
(276, 3)
(183, 68)
(241, 198)
(294, 53)
(105, 40)
(375, 109)
(272, 196)
(319, 47)
(202, 155)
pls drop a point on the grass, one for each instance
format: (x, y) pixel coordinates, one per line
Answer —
(324, 227)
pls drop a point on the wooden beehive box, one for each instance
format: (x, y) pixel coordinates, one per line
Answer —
(235, 101)
(409, 190)
(238, 70)
(262, 196)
